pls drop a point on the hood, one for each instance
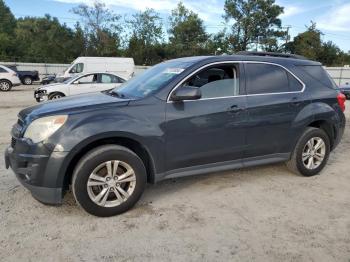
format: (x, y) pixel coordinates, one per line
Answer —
(72, 104)
(54, 87)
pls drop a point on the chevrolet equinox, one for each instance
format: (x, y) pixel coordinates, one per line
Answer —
(182, 117)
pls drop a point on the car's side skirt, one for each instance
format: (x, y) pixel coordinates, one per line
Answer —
(223, 166)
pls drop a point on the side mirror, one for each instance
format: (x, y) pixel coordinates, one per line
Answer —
(186, 93)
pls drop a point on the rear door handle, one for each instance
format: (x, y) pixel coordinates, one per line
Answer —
(234, 109)
(295, 101)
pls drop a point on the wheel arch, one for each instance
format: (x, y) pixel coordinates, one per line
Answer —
(131, 143)
(7, 80)
(318, 115)
(326, 126)
(56, 92)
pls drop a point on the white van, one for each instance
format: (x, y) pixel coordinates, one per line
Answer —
(122, 66)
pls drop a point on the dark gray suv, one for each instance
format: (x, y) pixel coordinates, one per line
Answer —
(182, 117)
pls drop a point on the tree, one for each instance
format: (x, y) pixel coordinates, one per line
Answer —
(254, 19)
(330, 54)
(45, 40)
(187, 36)
(219, 43)
(101, 29)
(146, 36)
(308, 43)
(7, 27)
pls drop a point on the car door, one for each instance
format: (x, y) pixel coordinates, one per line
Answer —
(108, 81)
(274, 98)
(210, 130)
(84, 84)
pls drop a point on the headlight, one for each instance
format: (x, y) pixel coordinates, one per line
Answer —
(44, 127)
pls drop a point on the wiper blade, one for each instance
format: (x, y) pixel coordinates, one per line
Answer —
(117, 94)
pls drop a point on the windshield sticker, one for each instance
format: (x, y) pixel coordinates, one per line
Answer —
(175, 71)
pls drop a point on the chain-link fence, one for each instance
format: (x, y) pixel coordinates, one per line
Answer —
(341, 75)
(52, 69)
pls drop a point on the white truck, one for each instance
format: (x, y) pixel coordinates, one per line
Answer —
(121, 66)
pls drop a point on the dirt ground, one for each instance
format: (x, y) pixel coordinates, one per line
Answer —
(257, 214)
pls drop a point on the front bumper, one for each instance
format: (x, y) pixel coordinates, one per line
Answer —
(37, 170)
(40, 95)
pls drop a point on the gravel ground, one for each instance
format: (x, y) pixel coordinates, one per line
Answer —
(256, 214)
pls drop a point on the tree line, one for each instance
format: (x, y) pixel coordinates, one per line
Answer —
(249, 25)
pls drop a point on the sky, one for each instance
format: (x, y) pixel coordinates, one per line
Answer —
(332, 16)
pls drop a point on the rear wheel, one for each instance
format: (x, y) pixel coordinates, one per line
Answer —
(5, 85)
(108, 180)
(55, 95)
(311, 153)
(27, 80)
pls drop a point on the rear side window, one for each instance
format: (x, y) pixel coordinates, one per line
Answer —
(319, 74)
(266, 79)
(2, 70)
(294, 84)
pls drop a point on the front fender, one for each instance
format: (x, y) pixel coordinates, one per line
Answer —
(85, 128)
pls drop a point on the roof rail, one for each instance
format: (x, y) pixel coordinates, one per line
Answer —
(273, 54)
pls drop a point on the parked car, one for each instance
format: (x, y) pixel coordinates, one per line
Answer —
(80, 84)
(122, 66)
(182, 117)
(48, 79)
(26, 77)
(8, 78)
(345, 89)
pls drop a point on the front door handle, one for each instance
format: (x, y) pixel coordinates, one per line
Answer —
(234, 109)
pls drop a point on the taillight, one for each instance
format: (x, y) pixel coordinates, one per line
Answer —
(14, 74)
(341, 101)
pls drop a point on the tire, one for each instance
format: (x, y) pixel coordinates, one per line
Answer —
(55, 95)
(95, 164)
(5, 85)
(27, 80)
(300, 162)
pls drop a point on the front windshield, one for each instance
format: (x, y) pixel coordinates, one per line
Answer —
(152, 79)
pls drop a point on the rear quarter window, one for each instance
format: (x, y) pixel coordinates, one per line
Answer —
(2, 70)
(319, 74)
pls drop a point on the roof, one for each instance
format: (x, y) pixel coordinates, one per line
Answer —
(254, 56)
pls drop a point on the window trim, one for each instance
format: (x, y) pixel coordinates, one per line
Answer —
(76, 79)
(235, 62)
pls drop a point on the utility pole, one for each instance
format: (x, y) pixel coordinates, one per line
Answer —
(287, 27)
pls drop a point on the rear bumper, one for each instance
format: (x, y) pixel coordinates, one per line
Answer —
(39, 173)
(340, 128)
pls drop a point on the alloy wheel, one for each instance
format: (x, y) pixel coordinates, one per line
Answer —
(4, 86)
(27, 81)
(111, 183)
(314, 153)
(56, 97)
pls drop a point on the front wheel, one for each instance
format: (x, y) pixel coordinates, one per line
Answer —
(5, 85)
(56, 95)
(27, 80)
(311, 153)
(108, 180)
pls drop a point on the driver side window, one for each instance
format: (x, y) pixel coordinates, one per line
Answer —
(89, 79)
(77, 68)
(216, 81)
